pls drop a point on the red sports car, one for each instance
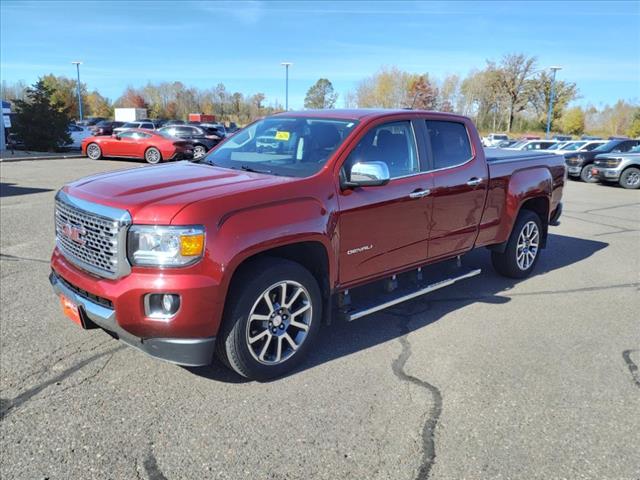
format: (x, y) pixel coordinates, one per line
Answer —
(136, 143)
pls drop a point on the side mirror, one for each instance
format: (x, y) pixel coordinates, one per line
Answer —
(368, 174)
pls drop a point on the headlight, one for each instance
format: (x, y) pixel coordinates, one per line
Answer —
(164, 246)
(612, 162)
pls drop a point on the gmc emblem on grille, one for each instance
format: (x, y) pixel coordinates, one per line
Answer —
(74, 233)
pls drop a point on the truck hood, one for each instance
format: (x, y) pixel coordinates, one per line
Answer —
(156, 194)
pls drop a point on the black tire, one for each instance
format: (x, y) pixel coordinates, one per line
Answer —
(507, 263)
(152, 155)
(630, 178)
(94, 147)
(199, 151)
(245, 297)
(586, 176)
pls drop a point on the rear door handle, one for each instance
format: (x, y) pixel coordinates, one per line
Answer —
(474, 181)
(419, 193)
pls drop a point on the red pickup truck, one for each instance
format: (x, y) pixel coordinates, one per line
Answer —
(283, 227)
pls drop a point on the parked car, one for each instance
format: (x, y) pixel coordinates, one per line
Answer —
(202, 140)
(579, 146)
(562, 138)
(77, 133)
(558, 146)
(579, 164)
(105, 127)
(130, 125)
(174, 122)
(590, 137)
(526, 145)
(623, 168)
(151, 146)
(231, 128)
(493, 139)
(245, 253)
(90, 122)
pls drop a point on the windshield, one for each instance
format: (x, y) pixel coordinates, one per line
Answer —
(574, 146)
(289, 146)
(130, 125)
(519, 144)
(607, 146)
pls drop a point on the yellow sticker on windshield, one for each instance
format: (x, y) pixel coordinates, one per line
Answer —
(282, 136)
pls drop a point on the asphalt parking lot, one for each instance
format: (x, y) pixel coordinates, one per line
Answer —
(492, 378)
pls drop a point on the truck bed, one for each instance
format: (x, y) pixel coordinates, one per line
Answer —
(500, 155)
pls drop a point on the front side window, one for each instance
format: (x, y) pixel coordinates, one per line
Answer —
(126, 134)
(390, 143)
(450, 144)
(288, 146)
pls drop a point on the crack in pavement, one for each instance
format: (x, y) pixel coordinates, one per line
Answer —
(151, 467)
(13, 258)
(618, 228)
(633, 368)
(429, 427)
(9, 405)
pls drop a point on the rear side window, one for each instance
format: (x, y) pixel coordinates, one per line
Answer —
(449, 143)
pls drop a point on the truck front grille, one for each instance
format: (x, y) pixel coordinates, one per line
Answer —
(91, 240)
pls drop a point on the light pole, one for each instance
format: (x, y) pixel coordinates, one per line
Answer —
(553, 82)
(77, 64)
(286, 84)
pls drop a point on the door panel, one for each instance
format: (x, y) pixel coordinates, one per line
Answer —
(385, 227)
(460, 182)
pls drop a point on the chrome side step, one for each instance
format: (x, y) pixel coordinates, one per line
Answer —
(355, 315)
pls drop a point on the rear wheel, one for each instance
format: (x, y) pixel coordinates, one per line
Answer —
(199, 151)
(586, 175)
(153, 155)
(523, 248)
(630, 178)
(94, 152)
(272, 319)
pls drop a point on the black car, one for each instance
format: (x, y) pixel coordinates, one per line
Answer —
(203, 138)
(173, 122)
(105, 127)
(579, 164)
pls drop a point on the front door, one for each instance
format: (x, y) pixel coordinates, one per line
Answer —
(384, 227)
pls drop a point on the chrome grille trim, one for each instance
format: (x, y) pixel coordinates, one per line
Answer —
(104, 231)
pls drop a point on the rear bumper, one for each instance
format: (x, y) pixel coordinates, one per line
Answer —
(182, 351)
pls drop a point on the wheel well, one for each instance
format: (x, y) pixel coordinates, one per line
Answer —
(540, 206)
(311, 255)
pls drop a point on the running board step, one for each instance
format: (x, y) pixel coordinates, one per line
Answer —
(390, 300)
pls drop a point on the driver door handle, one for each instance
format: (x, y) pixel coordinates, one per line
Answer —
(419, 193)
(474, 181)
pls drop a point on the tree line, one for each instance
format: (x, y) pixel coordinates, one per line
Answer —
(510, 94)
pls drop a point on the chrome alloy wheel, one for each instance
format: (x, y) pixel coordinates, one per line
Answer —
(633, 179)
(199, 151)
(152, 155)
(528, 243)
(93, 151)
(279, 322)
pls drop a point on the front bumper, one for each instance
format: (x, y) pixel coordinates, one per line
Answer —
(606, 174)
(182, 351)
(574, 170)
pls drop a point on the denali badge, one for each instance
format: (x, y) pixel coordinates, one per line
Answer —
(74, 233)
(359, 249)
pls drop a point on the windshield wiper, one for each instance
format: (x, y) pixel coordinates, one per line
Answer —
(247, 168)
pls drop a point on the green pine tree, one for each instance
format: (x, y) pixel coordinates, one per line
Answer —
(40, 122)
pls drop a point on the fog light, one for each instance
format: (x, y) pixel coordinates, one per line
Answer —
(161, 305)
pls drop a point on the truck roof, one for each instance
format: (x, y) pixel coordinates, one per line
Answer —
(359, 113)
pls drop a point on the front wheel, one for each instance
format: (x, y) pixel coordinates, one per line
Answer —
(523, 247)
(94, 152)
(630, 178)
(272, 319)
(153, 155)
(586, 175)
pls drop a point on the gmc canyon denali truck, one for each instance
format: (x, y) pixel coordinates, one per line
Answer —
(244, 254)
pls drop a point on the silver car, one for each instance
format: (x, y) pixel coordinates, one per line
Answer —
(623, 168)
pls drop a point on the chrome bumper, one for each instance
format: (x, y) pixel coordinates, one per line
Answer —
(192, 352)
(574, 170)
(608, 173)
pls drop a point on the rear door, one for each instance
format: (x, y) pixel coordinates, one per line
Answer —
(460, 180)
(386, 227)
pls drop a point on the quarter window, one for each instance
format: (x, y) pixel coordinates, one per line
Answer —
(390, 143)
(449, 143)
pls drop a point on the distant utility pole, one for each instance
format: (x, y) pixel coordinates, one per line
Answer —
(553, 84)
(77, 64)
(286, 84)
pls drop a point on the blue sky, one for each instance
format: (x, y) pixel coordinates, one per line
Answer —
(242, 44)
